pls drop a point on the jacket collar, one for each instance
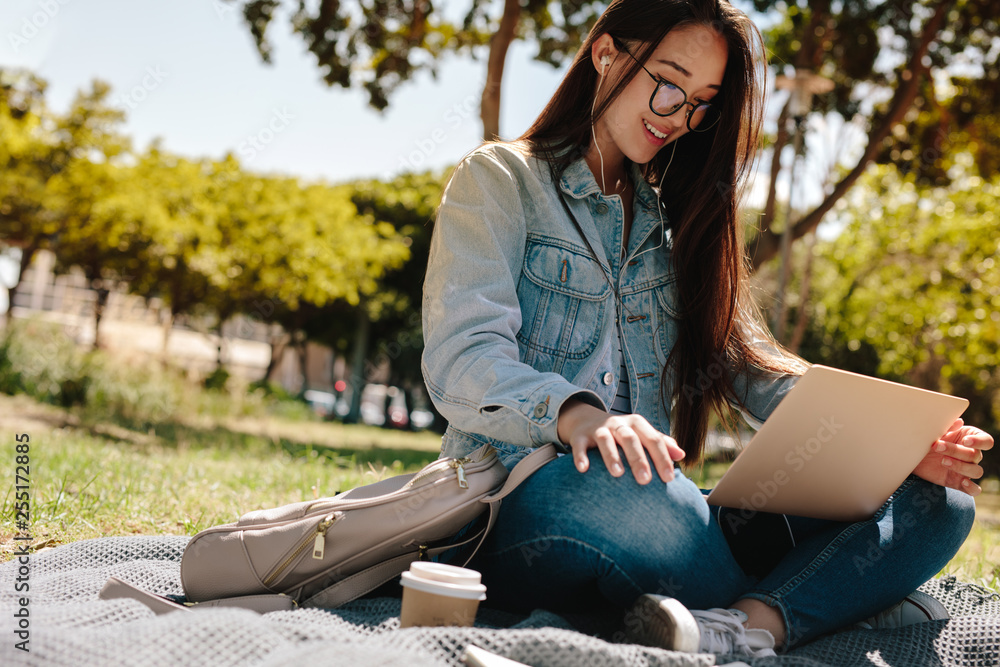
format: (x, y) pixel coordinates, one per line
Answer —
(579, 182)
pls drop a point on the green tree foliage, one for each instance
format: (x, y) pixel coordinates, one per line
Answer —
(22, 155)
(42, 154)
(205, 237)
(379, 45)
(882, 56)
(408, 203)
(910, 290)
(384, 330)
(920, 74)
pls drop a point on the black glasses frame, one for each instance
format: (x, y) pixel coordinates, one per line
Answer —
(660, 81)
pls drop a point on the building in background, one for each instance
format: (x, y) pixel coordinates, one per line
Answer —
(135, 327)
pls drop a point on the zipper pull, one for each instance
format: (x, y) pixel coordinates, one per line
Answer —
(319, 547)
(463, 483)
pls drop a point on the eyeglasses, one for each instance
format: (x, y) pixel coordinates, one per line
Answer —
(668, 98)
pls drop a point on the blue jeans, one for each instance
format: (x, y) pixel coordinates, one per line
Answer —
(567, 541)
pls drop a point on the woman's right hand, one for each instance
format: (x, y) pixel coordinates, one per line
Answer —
(583, 426)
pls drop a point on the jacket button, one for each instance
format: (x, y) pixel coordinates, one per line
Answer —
(608, 378)
(602, 208)
(540, 410)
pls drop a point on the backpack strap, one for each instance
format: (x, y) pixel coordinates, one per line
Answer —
(262, 604)
(524, 469)
(371, 578)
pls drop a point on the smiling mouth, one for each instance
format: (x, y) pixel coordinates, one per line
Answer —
(656, 133)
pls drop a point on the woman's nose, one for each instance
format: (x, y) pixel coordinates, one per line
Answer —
(678, 119)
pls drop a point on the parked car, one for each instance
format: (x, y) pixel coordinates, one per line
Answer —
(373, 407)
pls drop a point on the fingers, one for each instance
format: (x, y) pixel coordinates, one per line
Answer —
(579, 448)
(959, 482)
(966, 445)
(609, 451)
(963, 484)
(662, 449)
(633, 437)
(963, 468)
(969, 487)
(978, 439)
(626, 437)
(953, 429)
(606, 445)
(961, 450)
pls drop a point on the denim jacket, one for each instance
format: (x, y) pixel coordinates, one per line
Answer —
(518, 316)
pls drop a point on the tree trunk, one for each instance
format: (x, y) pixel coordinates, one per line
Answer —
(802, 317)
(27, 254)
(499, 43)
(358, 355)
(278, 344)
(219, 343)
(785, 269)
(168, 325)
(810, 53)
(765, 245)
(780, 141)
(302, 345)
(410, 399)
(99, 306)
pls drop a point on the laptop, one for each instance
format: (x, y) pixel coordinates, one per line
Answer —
(836, 447)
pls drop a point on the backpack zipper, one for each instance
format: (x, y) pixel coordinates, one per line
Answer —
(318, 540)
(457, 464)
(463, 483)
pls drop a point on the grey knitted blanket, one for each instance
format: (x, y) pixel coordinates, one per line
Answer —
(67, 624)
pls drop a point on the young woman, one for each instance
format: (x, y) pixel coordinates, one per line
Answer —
(587, 286)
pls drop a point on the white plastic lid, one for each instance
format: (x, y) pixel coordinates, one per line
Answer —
(447, 580)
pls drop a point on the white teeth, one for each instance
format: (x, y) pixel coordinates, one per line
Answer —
(656, 133)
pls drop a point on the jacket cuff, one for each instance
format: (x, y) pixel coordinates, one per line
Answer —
(543, 406)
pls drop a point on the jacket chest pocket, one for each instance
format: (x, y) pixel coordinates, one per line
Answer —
(564, 294)
(667, 316)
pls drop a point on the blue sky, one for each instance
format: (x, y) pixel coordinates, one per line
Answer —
(188, 71)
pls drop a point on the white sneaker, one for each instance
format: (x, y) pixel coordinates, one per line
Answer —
(917, 607)
(657, 620)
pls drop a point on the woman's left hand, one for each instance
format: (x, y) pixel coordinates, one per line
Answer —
(954, 459)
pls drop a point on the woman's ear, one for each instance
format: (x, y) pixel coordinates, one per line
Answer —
(603, 52)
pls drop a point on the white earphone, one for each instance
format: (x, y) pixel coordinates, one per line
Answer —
(605, 61)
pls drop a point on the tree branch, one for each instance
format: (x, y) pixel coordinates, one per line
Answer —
(499, 43)
(766, 244)
(780, 141)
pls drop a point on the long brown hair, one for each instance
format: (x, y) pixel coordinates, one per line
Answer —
(719, 327)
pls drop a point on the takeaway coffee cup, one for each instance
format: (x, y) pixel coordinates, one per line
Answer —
(438, 594)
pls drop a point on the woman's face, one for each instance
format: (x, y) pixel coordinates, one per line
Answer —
(692, 57)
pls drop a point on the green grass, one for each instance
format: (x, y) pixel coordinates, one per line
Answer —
(90, 480)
